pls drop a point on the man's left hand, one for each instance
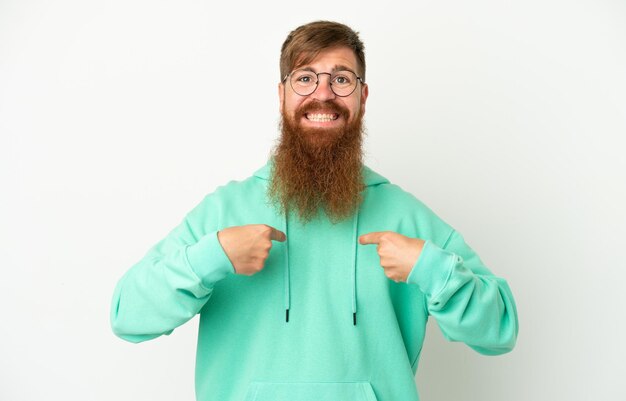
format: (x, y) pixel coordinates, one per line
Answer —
(398, 253)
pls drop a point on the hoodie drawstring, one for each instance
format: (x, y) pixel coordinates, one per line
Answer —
(355, 239)
(354, 252)
(287, 284)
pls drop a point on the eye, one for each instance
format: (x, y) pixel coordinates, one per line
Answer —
(342, 79)
(304, 78)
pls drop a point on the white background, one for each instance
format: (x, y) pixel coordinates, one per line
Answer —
(506, 118)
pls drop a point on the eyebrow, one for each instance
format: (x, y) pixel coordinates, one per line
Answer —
(337, 67)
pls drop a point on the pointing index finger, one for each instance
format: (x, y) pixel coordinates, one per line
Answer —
(370, 238)
(277, 235)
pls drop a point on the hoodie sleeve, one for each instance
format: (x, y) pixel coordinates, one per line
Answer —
(171, 283)
(469, 303)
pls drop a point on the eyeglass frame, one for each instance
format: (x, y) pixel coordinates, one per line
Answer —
(317, 83)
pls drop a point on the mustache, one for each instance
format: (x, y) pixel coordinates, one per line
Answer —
(326, 106)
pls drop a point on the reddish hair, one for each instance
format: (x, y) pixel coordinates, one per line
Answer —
(304, 43)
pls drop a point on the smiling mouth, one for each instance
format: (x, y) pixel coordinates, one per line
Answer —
(321, 117)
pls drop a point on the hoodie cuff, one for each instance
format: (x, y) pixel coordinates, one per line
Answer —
(432, 269)
(208, 260)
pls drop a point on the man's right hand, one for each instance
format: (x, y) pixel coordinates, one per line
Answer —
(248, 246)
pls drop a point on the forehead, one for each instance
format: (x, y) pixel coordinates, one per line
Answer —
(330, 59)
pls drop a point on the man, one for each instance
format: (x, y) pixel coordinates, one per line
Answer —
(295, 303)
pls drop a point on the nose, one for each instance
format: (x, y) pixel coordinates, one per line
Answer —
(322, 91)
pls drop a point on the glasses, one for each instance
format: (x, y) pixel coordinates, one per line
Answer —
(304, 82)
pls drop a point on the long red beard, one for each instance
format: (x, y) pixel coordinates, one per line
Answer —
(318, 169)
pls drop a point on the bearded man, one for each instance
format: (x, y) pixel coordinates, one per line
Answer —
(295, 237)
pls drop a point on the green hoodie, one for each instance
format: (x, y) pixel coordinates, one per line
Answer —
(321, 321)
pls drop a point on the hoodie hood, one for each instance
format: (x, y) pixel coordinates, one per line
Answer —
(370, 178)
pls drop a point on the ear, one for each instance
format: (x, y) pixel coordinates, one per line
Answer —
(281, 96)
(364, 93)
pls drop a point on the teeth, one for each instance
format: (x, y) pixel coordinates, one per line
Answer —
(321, 117)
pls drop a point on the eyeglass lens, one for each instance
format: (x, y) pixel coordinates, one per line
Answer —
(342, 83)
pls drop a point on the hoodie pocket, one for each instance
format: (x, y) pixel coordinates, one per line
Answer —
(310, 391)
